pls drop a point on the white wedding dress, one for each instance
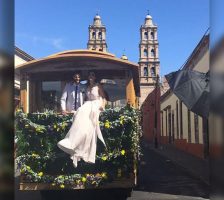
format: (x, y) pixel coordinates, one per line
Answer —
(81, 140)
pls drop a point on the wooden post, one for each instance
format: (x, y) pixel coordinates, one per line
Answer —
(23, 92)
(130, 91)
(28, 95)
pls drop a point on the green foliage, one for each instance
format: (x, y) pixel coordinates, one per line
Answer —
(40, 160)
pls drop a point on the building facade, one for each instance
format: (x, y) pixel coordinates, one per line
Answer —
(149, 63)
(179, 126)
(20, 57)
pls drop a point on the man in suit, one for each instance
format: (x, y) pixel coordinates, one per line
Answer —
(73, 95)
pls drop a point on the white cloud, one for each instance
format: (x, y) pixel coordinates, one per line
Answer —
(56, 42)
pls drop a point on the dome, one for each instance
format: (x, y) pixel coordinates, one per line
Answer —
(97, 20)
(124, 57)
(148, 20)
(97, 17)
(148, 17)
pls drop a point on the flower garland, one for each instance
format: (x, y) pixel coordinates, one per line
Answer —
(38, 133)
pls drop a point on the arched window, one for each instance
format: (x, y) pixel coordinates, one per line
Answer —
(152, 35)
(93, 35)
(152, 53)
(146, 35)
(153, 71)
(146, 73)
(100, 35)
(145, 53)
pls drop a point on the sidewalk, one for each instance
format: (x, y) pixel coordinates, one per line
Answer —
(197, 167)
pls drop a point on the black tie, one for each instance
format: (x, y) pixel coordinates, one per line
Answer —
(76, 91)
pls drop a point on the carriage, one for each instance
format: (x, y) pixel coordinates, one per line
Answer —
(41, 123)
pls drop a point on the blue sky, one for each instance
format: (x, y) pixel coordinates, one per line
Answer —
(46, 27)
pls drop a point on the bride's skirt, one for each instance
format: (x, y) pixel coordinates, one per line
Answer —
(81, 140)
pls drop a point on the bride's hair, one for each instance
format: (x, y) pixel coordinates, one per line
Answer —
(91, 72)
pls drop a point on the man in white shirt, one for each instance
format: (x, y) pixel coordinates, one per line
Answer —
(73, 95)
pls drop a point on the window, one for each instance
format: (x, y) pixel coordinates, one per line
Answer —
(93, 35)
(189, 125)
(177, 118)
(152, 35)
(152, 53)
(50, 95)
(169, 125)
(196, 128)
(162, 122)
(100, 35)
(145, 53)
(100, 49)
(166, 123)
(145, 35)
(181, 120)
(115, 92)
(172, 130)
(146, 73)
(153, 71)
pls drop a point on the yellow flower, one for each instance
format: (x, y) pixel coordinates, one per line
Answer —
(121, 122)
(107, 124)
(62, 186)
(26, 125)
(40, 174)
(83, 179)
(55, 126)
(34, 155)
(122, 152)
(104, 158)
(28, 167)
(104, 175)
(77, 181)
(122, 117)
(53, 184)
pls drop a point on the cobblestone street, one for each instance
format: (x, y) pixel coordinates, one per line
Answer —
(160, 178)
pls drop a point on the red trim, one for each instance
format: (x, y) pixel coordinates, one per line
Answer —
(164, 139)
(216, 150)
(192, 148)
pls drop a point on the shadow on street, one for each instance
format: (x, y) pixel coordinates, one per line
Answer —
(160, 175)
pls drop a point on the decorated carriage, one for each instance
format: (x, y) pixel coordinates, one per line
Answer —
(40, 124)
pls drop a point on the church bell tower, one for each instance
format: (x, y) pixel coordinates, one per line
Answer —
(97, 35)
(149, 63)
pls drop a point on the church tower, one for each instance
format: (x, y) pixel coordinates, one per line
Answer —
(149, 63)
(97, 35)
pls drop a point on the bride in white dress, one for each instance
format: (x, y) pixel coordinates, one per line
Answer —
(81, 140)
